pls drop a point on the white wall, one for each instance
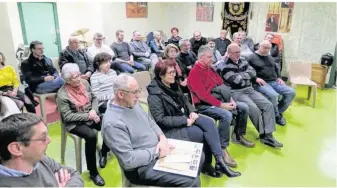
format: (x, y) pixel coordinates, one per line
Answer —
(73, 16)
(114, 18)
(6, 44)
(183, 16)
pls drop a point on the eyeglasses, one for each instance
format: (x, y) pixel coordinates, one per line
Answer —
(171, 73)
(76, 77)
(43, 139)
(138, 91)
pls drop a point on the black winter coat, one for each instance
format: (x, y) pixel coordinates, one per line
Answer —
(166, 114)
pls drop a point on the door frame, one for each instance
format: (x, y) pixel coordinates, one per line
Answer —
(57, 27)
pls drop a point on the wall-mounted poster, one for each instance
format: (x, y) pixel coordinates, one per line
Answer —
(279, 17)
(204, 11)
(235, 16)
(136, 9)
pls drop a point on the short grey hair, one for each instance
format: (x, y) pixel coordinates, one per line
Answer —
(72, 38)
(182, 41)
(203, 49)
(68, 69)
(271, 34)
(235, 35)
(122, 81)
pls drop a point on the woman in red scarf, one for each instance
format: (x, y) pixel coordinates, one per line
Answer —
(79, 112)
(170, 53)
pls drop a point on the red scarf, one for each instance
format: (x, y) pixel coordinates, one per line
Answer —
(77, 95)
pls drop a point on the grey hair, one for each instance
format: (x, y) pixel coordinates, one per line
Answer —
(68, 69)
(236, 34)
(182, 41)
(156, 32)
(71, 39)
(122, 82)
(202, 50)
(270, 34)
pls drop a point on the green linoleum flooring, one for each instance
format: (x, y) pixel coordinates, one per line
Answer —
(308, 157)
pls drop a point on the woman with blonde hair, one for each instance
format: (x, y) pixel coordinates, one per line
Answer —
(157, 44)
(170, 53)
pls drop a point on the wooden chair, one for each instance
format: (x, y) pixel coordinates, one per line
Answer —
(300, 74)
(143, 78)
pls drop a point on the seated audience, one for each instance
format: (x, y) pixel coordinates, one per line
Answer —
(7, 107)
(99, 47)
(124, 55)
(269, 82)
(245, 51)
(23, 143)
(38, 71)
(216, 54)
(274, 50)
(102, 80)
(222, 42)
(175, 38)
(73, 54)
(136, 140)
(186, 58)
(157, 44)
(197, 41)
(238, 74)
(79, 112)
(141, 51)
(176, 116)
(202, 82)
(246, 40)
(9, 86)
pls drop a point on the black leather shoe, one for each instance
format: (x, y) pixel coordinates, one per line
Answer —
(242, 141)
(102, 160)
(280, 120)
(209, 170)
(221, 167)
(270, 141)
(97, 179)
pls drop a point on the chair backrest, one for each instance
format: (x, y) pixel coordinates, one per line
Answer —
(56, 63)
(299, 68)
(143, 78)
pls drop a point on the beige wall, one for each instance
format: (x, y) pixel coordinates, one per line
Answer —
(6, 44)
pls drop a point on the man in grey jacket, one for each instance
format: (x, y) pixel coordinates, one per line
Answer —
(141, 51)
(23, 163)
(136, 140)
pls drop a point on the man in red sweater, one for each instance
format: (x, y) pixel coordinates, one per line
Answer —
(201, 81)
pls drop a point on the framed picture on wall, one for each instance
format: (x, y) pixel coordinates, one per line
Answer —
(136, 9)
(204, 11)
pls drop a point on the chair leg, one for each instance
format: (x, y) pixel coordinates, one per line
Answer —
(314, 97)
(63, 144)
(78, 154)
(43, 109)
(309, 92)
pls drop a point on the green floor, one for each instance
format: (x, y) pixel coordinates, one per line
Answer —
(308, 157)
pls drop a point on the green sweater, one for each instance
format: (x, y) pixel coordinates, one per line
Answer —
(41, 176)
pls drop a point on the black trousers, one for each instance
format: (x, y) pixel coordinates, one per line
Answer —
(205, 131)
(89, 135)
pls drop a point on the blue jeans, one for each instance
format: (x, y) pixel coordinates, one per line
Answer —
(131, 69)
(50, 86)
(273, 90)
(225, 118)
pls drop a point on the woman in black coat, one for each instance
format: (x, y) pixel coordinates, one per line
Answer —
(178, 119)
